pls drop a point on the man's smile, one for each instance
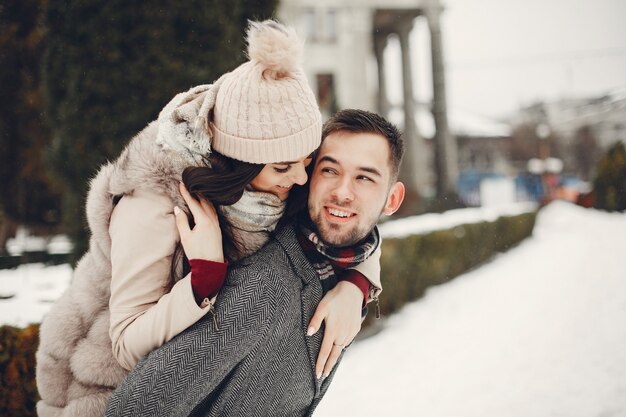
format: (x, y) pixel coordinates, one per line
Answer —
(338, 215)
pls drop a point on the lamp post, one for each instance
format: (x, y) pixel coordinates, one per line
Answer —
(543, 132)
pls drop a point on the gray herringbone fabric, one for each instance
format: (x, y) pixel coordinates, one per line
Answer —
(258, 363)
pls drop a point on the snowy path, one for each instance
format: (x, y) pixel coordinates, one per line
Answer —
(540, 331)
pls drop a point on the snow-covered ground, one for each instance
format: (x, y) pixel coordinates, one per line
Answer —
(27, 293)
(539, 331)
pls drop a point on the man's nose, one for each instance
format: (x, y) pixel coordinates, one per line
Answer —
(299, 175)
(343, 191)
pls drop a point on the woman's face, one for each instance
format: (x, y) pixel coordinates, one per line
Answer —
(278, 178)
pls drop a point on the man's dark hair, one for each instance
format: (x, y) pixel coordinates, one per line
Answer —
(362, 121)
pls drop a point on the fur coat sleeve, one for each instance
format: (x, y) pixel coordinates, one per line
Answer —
(144, 314)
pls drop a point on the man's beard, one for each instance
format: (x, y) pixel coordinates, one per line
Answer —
(349, 237)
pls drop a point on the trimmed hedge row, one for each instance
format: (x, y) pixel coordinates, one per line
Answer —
(412, 264)
(18, 392)
(409, 265)
(12, 262)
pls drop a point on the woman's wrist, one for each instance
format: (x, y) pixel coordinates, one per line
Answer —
(355, 277)
(207, 278)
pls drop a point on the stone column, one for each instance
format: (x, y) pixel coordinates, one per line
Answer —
(380, 42)
(446, 164)
(414, 170)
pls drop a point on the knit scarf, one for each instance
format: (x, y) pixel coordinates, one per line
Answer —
(328, 260)
(252, 219)
(256, 211)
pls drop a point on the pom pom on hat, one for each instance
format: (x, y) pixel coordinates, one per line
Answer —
(275, 47)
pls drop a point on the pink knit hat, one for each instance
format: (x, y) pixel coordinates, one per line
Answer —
(264, 110)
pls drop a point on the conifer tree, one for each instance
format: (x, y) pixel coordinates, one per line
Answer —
(111, 66)
(609, 186)
(27, 195)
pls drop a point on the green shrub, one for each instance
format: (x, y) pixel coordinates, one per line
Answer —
(610, 183)
(13, 261)
(412, 264)
(18, 392)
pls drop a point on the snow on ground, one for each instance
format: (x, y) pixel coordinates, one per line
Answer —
(539, 331)
(27, 293)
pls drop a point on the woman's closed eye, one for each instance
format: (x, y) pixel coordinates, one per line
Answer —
(282, 169)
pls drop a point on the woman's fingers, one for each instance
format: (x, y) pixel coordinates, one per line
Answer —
(208, 209)
(332, 358)
(182, 224)
(192, 203)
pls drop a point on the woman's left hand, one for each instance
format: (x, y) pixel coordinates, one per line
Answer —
(341, 310)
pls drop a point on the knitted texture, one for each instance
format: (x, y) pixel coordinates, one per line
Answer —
(262, 112)
(265, 110)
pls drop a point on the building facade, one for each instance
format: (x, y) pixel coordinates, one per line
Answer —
(345, 65)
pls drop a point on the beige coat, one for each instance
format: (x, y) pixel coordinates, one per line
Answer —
(82, 342)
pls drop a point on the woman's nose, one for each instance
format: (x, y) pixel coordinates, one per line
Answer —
(299, 174)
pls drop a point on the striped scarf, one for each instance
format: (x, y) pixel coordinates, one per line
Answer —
(329, 261)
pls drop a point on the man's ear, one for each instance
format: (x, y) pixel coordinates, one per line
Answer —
(396, 195)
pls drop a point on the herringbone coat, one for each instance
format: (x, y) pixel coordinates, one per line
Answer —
(256, 362)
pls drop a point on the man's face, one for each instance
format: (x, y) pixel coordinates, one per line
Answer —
(350, 187)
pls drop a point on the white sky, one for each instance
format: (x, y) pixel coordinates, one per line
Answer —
(503, 54)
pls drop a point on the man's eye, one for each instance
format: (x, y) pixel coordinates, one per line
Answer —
(282, 170)
(364, 178)
(328, 170)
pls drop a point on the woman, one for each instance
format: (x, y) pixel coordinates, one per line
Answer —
(129, 291)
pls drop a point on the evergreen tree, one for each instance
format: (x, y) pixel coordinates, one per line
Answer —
(27, 195)
(609, 186)
(111, 66)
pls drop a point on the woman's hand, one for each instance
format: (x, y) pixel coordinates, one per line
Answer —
(341, 310)
(204, 241)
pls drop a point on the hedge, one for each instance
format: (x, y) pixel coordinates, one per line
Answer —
(412, 264)
(18, 392)
(409, 266)
(13, 261)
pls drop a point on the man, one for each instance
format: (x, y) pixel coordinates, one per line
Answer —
(259, 361)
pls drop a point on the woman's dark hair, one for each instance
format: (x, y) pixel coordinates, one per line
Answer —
(222, 183)
(298, 198)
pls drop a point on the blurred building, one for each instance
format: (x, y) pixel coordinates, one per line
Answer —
(345, 65)
(605, 115)
(483, 144)
(585, 127)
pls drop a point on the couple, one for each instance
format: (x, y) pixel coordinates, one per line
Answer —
(255, 348)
